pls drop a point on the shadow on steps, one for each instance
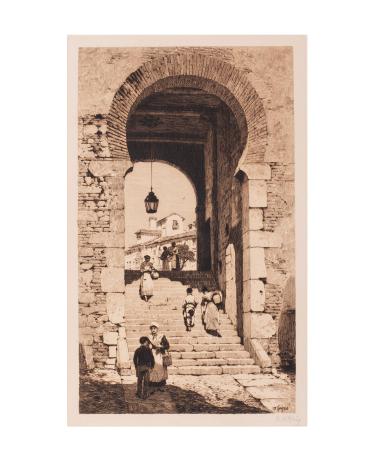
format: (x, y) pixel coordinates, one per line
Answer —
(101, 397)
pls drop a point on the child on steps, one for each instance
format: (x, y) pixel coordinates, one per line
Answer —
(144, 362)
(189, 306)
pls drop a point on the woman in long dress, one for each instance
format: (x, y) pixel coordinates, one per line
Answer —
(159, 345)
(174, 256)
(165, 256)
(146, 281)
(206, 297)
(211, 316)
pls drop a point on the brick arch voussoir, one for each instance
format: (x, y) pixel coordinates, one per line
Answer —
(210, 74)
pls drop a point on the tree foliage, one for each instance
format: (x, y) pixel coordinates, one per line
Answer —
(185, 255)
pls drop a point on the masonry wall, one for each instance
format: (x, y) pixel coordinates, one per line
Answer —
(101, 72)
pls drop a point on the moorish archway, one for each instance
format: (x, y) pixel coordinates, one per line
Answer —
(243, 156)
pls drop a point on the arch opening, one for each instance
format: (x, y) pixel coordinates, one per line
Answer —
(210, 125)
(197, 132)
(175, 220)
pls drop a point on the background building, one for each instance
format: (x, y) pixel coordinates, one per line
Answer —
(161, 233)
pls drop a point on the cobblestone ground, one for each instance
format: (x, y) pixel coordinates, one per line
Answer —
(104, 392)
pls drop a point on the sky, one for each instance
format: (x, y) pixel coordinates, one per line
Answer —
(172, 187)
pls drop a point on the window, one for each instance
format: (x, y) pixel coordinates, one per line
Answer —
(175, 225)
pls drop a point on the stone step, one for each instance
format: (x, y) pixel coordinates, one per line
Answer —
(135, 292)
(212, 362)
(197, 347)
(170, 334)
(136, 319)
(174, 319)
(232, 355)
(163, 287)
(135, 296)
(169, 315)
(178, 327)
(213, 370)
(168, 302)
(132, 340)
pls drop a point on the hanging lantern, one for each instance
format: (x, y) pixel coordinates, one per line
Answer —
(151, 201)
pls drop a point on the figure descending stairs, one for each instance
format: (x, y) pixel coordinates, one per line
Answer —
(195, 352)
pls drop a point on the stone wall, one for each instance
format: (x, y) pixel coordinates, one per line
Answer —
(269, 260)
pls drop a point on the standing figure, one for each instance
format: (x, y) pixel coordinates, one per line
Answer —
(165, 258)
(146, 281)
(206, 297)
(143, 361)
(159, 344)
(174, 256)
(212, 319)
(189, 307)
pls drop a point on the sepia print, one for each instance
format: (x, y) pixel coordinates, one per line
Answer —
(186, 232)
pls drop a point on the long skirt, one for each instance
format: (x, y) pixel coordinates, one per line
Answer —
(211, 317)
(166, 264)
(146, 285)
(158, 374)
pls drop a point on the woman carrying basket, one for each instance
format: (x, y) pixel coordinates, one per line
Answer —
(162, 359)
(146, 282)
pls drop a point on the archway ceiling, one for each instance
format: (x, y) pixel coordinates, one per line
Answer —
(180, 115)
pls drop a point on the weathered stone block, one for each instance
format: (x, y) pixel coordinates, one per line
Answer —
(108, 239)
(110, 338)
(123, 357)
(257, 171)
(112, 351)
(110, 361)
(117, 221)
(257, 295)
(115, 257)
(90, 190)
(86, 339)
(91, 321)
(87, 216)
(86, 266)
(89, 310)
(86, 298)
(89, 130)
(122, 332)
(257, 263)
(275, 277)
(115, 307)
(112, 280)
(260, 380)
(257, 193)
(109, 168)
(89, 357)
(264, 239)
(262, 325)
(85, 277)
(255, 219)
(259, 354)
(247, 325)
(276, 391)
(109, 366)
(86, 252)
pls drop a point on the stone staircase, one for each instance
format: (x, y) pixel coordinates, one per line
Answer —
(195, 352)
